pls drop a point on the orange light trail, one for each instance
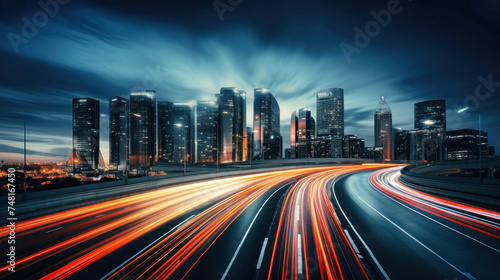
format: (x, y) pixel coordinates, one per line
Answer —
(476, 218)
(63, 244)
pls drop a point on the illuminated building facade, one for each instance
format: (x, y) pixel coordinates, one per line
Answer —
(383, 128)
(305, 133)
(143, 115)
(165, 131)
(330, 117)
(119, 134)
(353, 147)
(266, 126)
(294, 134)
(206, 131)
(430, 124)
(86, 134)
(184, 132)
(232, 125)
(464, 144)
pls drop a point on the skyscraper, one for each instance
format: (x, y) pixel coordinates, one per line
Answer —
(305, 132)
(207, 121)
(330, 117)
(232, 125)
(294, 134)
(184, 132)
(119, 134)
(142, 129)
(165, 131)
(86, 133)
(266, 126)
(383, 128)
(430, 119)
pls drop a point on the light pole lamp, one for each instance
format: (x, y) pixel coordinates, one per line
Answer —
(480, 144)
(217, 142)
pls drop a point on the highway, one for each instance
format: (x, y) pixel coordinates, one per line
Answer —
(338, 222)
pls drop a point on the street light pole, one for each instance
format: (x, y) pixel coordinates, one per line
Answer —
(184, 130)
(217, 144)
(25, 195)
(480, 152)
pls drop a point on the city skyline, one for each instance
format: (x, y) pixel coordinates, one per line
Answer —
(90, 46)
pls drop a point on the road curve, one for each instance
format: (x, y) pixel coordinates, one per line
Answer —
(414, 235)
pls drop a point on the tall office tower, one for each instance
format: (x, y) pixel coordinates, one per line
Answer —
(232, 126)
(353, 147)
(266, 125)
(165, 131)
(119, 134)
(430, 119)
(313, 128)
(383, 128)
(330, 117)
(294, 134)
(304, 134)
(142, 129)
(206, 130)
(249, 143)
(464, 144)
(184, 133)
(86, 133)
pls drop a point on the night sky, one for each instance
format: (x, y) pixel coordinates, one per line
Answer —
(183, 50)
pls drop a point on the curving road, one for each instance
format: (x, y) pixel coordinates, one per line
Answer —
(418, 236)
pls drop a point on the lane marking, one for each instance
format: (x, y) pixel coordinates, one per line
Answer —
(297, 212)
(52, 230)
(261, 256)
(299, 253)
(352, 242)
(145, 248)
(466, 274)
(372, 256)
(246, 233)
(98, 216)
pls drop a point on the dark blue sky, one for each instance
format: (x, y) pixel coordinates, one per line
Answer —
(182, 49)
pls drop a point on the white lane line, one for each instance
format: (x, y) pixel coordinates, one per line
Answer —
(261, 256)
(49, 231)
(297, 212)
(246, 233)
(466, 274)
(145, 248)
(372, 256)
(299, 253)
(98, 216)
(352, 243)
(439, 223)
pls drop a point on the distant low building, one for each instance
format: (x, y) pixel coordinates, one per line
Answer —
(353, 147)
(464, 144)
